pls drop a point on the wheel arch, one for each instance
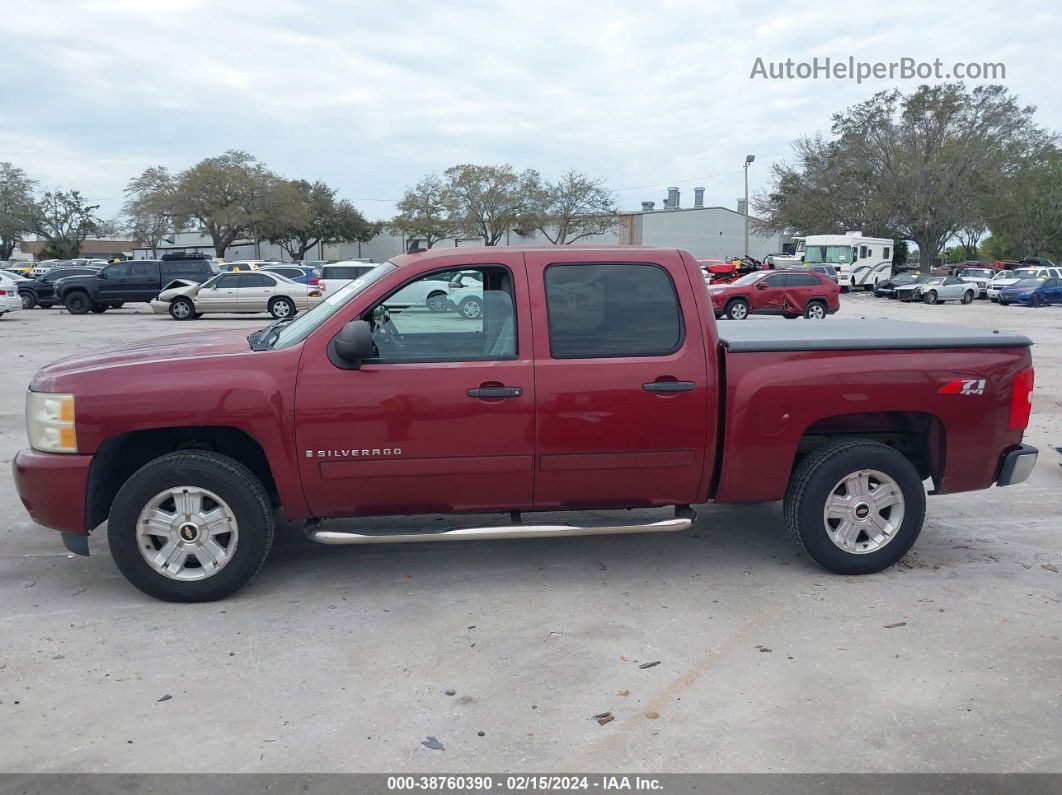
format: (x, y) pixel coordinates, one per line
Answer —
(918, 436)
(118, 457)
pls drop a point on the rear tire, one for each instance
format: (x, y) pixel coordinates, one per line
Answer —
(737, 309)
(29, 300)
(281, 308)
(77, 303)
(815, 310)
(232, 524)
(471, 308)
(437, 302)
(855, 506)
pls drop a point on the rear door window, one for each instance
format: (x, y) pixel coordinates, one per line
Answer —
(608, 310)
(803, 280)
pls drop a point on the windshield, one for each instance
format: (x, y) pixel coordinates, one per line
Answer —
(933, 280)
(750, 278)
(834, 255)
(1003, 275)
(1024, 273)
(976, 272)
(306, 323)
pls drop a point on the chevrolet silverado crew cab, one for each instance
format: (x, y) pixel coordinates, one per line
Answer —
(593, 378)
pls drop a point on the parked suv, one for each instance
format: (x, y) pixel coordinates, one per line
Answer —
(41, 291)
(133, 280)
(784, 293)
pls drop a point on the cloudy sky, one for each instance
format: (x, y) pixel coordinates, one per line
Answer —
(369, 96)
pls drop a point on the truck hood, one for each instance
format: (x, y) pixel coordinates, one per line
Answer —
(171, 348)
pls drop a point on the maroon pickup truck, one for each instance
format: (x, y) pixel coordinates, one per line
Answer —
(591, 378)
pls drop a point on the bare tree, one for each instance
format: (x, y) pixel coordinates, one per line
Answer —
(574, 207)
(148, 211)
(423, 212)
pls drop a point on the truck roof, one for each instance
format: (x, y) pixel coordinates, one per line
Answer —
(748, 336)
(576, 253)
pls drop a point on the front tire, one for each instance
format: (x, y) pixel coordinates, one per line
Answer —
(77, 303)
(182, 309)
(99, 309)
(930, 297)
(968, 297)
(1037, 301)
(738, 309)
(192, 526)
(855, 506)
(281, 308)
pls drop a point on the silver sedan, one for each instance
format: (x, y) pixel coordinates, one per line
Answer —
(936, 289)
(254, 291)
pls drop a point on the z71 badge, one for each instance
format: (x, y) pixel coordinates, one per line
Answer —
(963, 386)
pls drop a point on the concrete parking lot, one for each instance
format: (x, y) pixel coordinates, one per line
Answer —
(340, 659)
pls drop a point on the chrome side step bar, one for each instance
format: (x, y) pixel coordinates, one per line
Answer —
(684, 517)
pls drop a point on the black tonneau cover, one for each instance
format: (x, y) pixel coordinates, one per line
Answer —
(752, 335)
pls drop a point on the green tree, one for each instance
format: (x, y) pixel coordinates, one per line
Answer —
(1025, 212)
(914, 166)
(299, 215)
(572, 208)
(63, 219)
(226, 196)
(487, 201)
(16, 207)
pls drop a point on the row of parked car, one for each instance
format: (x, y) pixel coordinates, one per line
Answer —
(1034, 286)
(189, 287)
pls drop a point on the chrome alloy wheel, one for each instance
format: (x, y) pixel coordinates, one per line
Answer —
(816, 312)
(864, 511)
(187, 533)
(739, 311)
(181, 309)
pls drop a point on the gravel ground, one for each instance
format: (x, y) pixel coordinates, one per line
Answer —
(340, 659)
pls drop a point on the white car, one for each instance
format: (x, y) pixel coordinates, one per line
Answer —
(245, 265)
(9, 298)
(466, 294)
(937, 289)
(1008, 278)
(242, 293)
(981, 277)
(430, 293)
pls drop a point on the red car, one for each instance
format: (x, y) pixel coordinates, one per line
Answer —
(787, 293)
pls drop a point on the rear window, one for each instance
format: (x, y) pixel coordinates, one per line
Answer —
(344, 271)
(611, 310)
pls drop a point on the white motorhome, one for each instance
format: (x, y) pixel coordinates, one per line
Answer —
(861, 262)
(788, 260)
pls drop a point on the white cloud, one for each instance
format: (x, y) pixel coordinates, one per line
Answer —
(370, 96)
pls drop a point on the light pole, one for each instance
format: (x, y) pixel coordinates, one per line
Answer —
(748, 159)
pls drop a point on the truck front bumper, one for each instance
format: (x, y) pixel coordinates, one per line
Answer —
(1017, 465)
(53, 487)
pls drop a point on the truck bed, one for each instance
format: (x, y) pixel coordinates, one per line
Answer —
(749, 336)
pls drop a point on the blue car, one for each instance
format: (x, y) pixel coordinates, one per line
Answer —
(1033, 292)
(297, 273)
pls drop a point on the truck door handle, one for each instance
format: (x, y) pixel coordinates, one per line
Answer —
(669, 386)
(495, 392)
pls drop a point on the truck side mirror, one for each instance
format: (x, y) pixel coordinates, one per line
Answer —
(102, 275)
(352, 345)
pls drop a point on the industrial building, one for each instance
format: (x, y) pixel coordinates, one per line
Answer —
(706, 232)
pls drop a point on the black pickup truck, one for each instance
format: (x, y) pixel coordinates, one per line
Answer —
(133, 280)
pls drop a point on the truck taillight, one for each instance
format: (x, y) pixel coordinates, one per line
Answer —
(1021, 400)
(314, 280)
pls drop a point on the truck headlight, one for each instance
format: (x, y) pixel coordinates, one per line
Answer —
(50, 422)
